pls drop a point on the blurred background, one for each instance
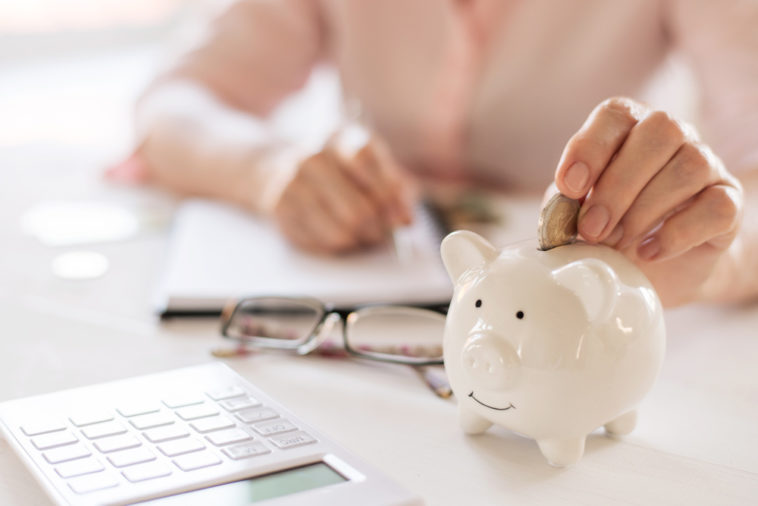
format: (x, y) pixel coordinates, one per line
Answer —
(71, 69)
(70, 73)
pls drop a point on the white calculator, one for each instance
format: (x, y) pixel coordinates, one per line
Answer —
(200, 435)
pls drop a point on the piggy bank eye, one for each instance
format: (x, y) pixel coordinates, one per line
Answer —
(478, 303)
(520, 315)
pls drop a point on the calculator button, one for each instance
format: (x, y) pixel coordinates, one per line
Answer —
(229, 436)
(219, 394)
(90, 417)
(138, 408)
(103, 429)
(143, 422)
(131, 457)
(195, 412)
(66, 453)
(213, 423)
(180, 401)
(239, 403)
(93, 482)
(166, 433)
(43, 427)
(53, 439)
(246, 450)
(116, 443)
(148, 471)
(79, 467)
(180, 447)
(292, 439)
(196, 461)
(257, 415)
(274, 427)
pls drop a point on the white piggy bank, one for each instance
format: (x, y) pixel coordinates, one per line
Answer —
(550, 344)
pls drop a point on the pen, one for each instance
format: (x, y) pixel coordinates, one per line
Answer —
(402, 243)
(436, 380)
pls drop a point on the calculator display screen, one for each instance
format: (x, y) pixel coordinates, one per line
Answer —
(252, 490)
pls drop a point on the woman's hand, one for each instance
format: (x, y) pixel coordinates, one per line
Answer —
(654, 192)
(348, 196)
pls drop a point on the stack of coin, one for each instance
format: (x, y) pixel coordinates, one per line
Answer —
(558, 222)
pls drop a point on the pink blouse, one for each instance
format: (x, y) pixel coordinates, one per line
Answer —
(488, 89)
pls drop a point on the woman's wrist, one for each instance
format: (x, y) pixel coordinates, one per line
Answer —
(267, 170)
(735, 276)
(726, 284)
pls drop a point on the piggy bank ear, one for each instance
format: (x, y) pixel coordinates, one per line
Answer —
(594, 282)
(463, 250)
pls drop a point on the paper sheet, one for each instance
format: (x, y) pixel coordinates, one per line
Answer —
(219, 252)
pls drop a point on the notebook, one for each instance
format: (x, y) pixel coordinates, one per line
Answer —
(218, 252)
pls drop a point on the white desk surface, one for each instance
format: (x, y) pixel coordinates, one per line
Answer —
(696, 443)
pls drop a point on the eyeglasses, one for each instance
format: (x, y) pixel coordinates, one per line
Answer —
(398, 334)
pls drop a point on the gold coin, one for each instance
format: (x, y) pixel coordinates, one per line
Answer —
(558, 222)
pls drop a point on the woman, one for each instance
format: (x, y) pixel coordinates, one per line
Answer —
(485, 91)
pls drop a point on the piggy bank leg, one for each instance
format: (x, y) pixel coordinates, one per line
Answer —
(471, 422)
(562, 452)
(622, 425)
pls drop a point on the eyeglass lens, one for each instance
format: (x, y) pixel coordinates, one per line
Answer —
(388, 332)
(273, 319)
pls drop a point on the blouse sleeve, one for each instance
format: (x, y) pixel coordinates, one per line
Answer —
(256, 52)
(720, 41)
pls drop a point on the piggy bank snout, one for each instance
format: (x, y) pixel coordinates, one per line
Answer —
(490, 362)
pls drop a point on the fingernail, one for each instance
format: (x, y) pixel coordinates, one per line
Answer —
(649, 248)
(594, 222)
(131, 170)
(576, 177)
(615, 236)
